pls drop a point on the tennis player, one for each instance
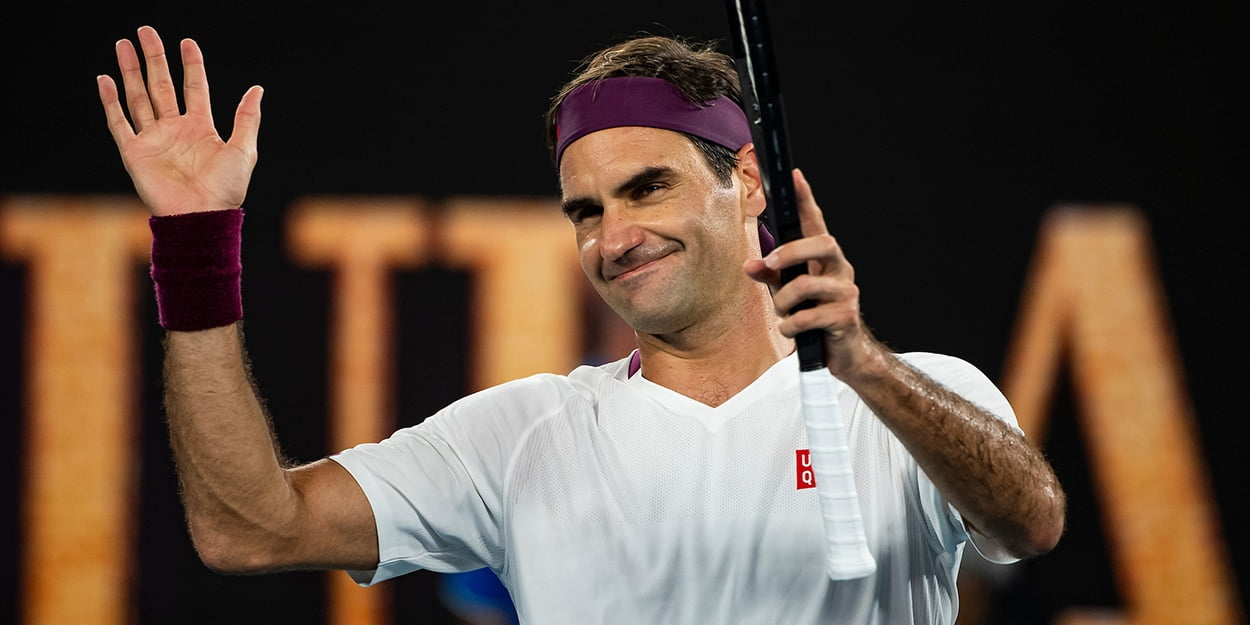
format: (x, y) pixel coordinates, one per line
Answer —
(670, 486)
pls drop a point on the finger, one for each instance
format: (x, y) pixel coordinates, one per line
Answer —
(834, 322)
(811, 218)
(132, 79)
(119, 127)
(160, 84)
(820, 289)
(247, 121)
(195, 79)
(821, 251)
(758, 271)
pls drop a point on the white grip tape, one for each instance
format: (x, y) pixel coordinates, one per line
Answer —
(849, 557)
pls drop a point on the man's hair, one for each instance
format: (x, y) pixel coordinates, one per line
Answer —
(697, 70)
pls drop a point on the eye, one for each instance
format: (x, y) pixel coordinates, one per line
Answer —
(580, 214)
(647, 189)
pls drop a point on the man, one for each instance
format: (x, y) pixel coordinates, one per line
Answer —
(658, 488)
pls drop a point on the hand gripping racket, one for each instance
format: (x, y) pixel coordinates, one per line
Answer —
(848, 554)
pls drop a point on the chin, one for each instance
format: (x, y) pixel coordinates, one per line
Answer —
(660, 308)
(658, 320)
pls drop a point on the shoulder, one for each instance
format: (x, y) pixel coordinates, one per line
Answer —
(590, 376)
(523, 402)
(533, 394)
(943, 365)
(950, 371)
(964, 379)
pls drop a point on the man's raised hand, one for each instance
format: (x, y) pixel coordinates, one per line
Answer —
(177, 161)
(829, 282)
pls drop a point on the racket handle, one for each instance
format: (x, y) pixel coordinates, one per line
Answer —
(848, 554)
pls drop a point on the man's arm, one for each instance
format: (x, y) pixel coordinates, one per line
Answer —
(999, 482)
(247, 512)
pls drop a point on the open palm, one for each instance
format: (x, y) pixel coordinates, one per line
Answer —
(177, 161)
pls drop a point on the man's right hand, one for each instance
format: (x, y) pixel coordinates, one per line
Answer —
(178, 162)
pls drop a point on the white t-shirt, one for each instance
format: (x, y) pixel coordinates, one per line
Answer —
(603, 498)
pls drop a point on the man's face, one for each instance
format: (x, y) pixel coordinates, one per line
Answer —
(661, 238)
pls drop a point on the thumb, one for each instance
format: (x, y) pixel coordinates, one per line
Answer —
(247, 121)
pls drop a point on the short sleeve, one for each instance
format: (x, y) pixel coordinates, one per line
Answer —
(436, 489)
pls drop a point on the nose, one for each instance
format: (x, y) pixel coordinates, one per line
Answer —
(618, 234)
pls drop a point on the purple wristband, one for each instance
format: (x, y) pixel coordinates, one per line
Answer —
(197, 268)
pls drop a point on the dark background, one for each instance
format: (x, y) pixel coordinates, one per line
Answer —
(937, 135)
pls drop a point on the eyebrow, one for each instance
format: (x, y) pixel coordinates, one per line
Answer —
(640, 179)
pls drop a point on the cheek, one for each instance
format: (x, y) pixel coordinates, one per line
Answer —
(720, 218)
(588, 252)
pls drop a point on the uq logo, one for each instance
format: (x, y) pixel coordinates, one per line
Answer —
(804, 477)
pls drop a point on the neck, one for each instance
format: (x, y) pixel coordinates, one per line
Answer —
(716, 360)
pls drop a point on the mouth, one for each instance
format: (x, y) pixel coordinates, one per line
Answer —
(616, 273)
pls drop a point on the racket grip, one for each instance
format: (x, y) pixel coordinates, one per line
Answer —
(848, 554)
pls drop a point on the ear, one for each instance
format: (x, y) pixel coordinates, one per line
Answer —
(753, 199)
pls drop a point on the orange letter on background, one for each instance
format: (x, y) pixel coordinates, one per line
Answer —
(1094, 295)
(527, 314)
(80, 451)
(362, 240)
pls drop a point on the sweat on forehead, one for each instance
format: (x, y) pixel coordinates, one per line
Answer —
(651, 102)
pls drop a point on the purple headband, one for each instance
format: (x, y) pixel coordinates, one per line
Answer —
(652, 102)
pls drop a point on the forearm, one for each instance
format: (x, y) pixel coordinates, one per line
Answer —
(238, 498)
(1000, 483)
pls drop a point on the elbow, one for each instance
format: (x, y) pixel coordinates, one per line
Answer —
(1047, 538)
(227, 555)
(1040, 541)
(1025, 535)
(221, 563)
(1047, 526)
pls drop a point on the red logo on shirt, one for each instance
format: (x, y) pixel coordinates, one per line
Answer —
(803, 475)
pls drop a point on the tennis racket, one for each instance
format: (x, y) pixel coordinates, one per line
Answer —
(848, 553)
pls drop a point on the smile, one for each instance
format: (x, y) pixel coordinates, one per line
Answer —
(615, 273)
